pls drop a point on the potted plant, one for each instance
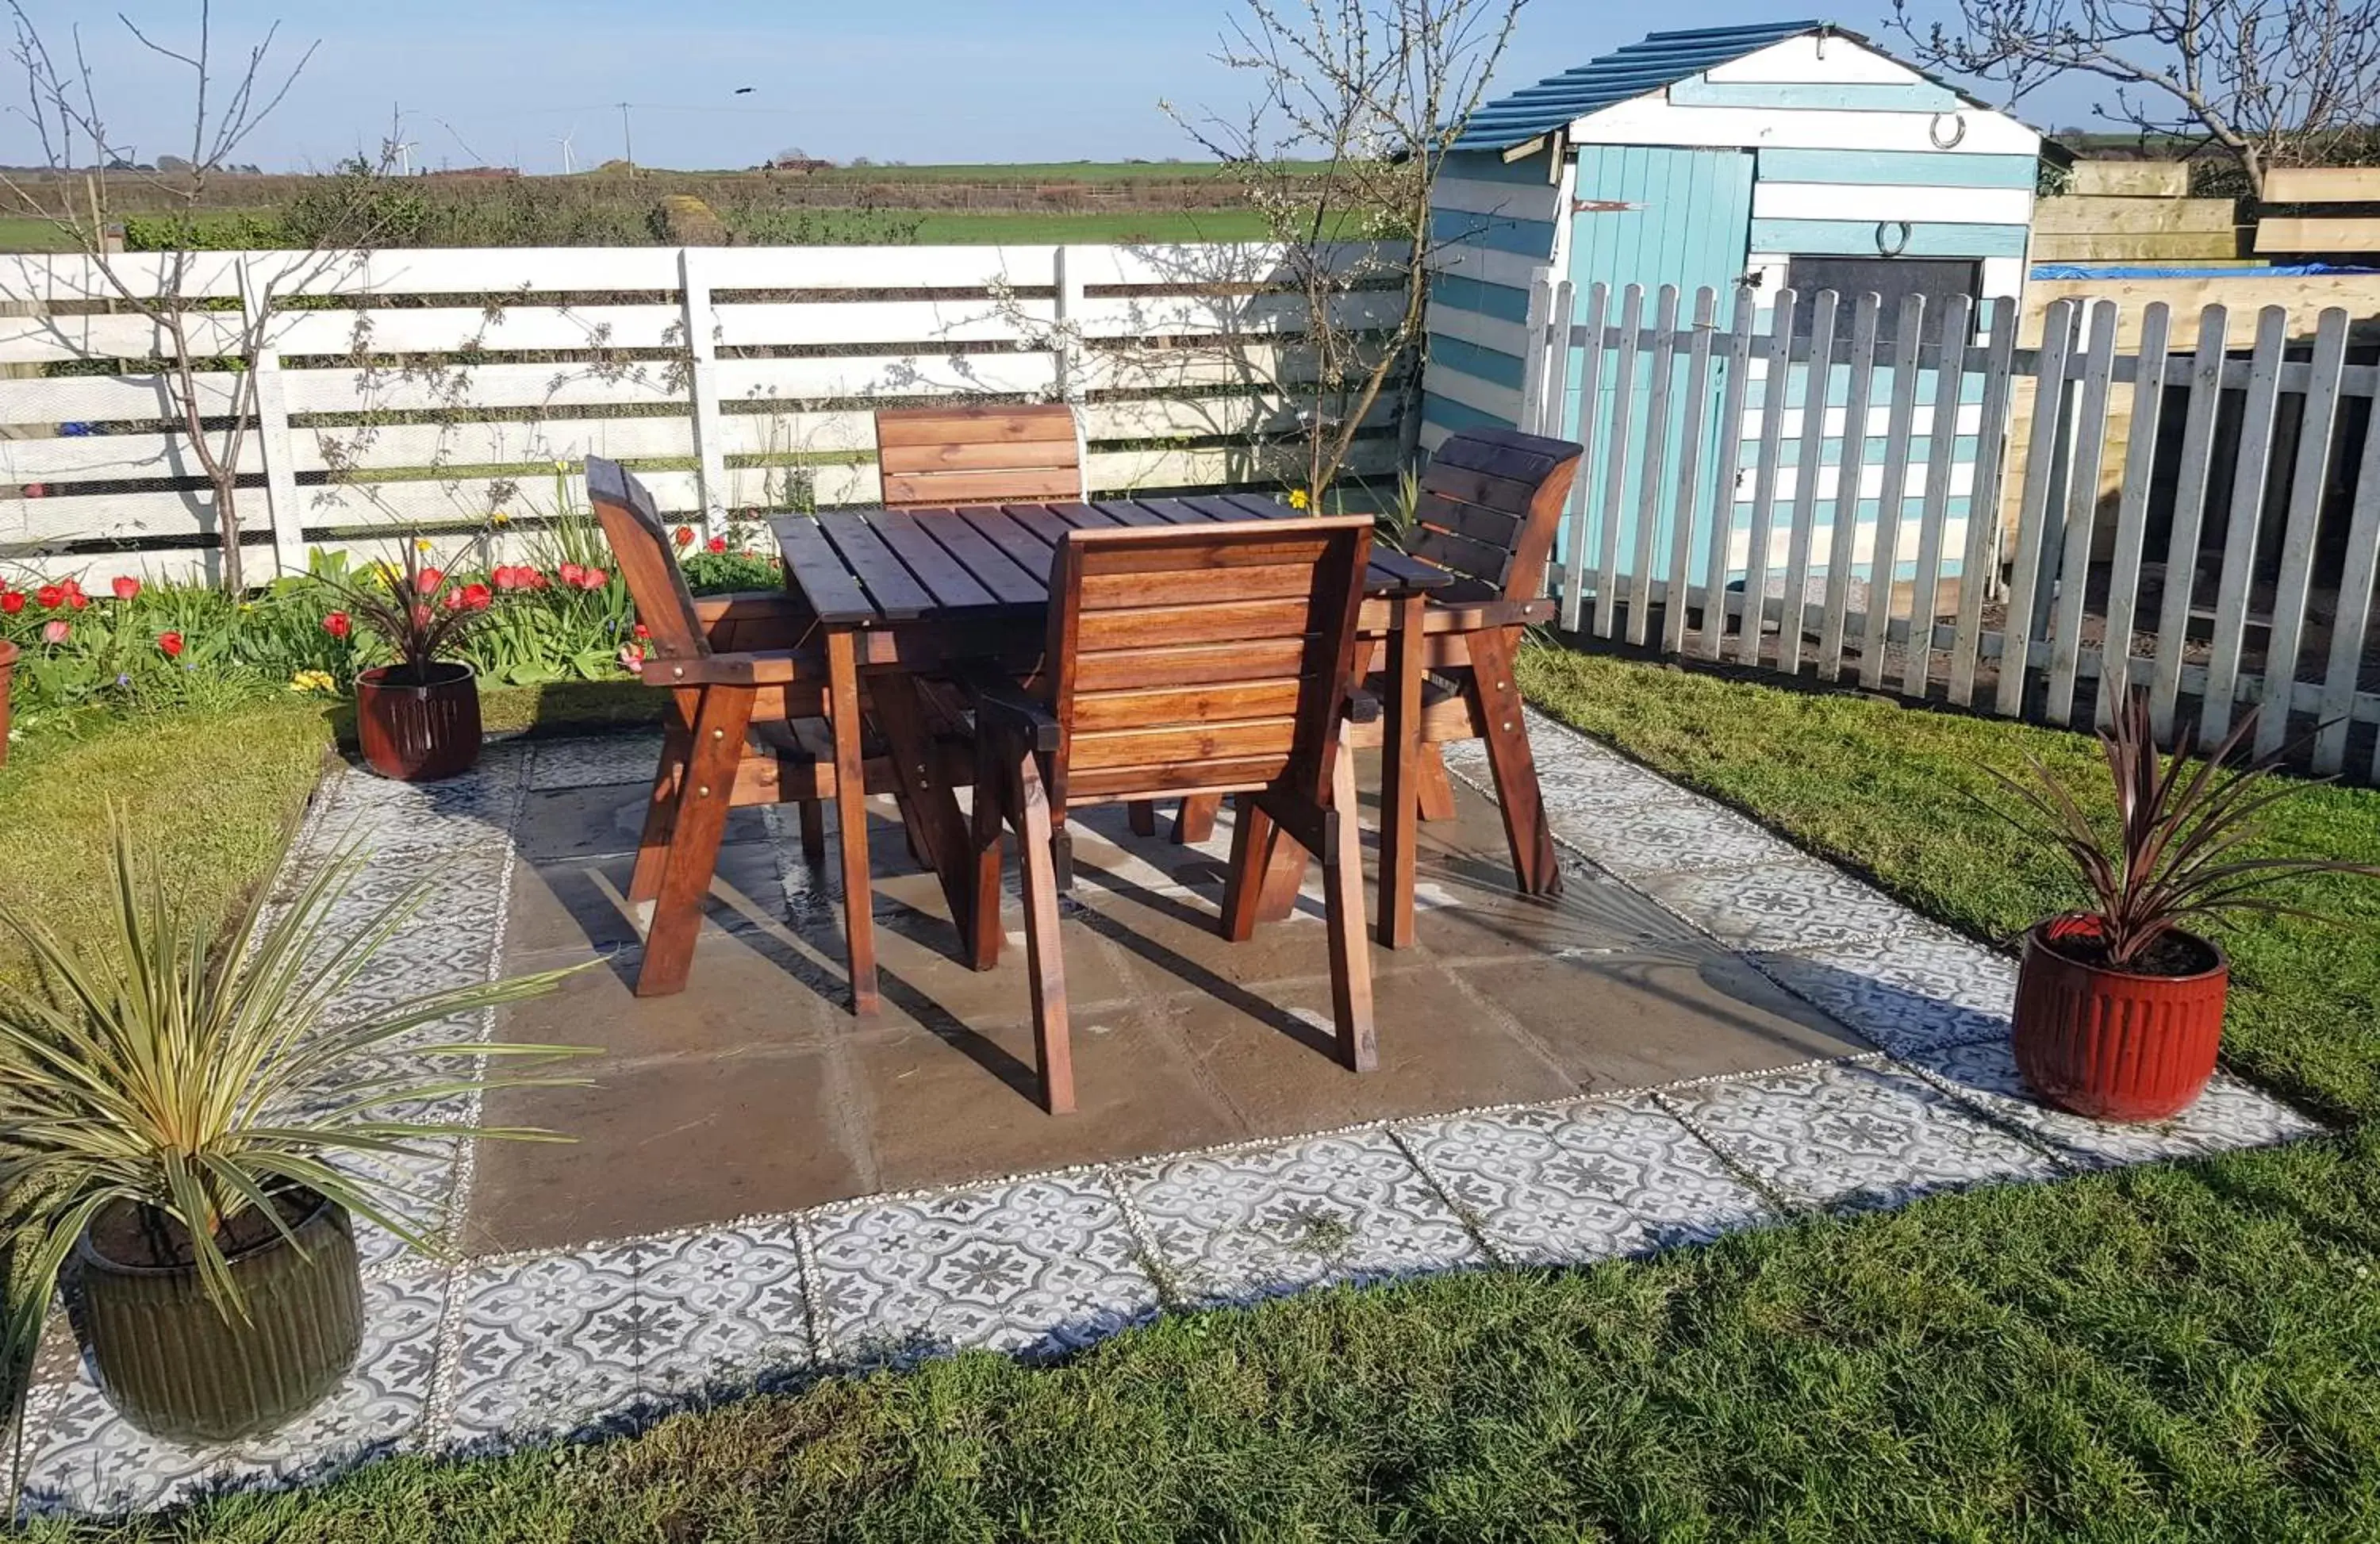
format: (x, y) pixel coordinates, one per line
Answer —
(173, 1102)
(417, 717)
(2119, 1005)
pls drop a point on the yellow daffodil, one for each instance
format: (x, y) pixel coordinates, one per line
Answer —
(1298, 500)
(499, 518)
(387, 571)
(421, 544)
(313, 681)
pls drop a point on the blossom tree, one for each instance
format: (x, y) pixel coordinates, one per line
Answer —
(1353, 106)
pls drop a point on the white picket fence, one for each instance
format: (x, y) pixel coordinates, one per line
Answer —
(410, 389)
(2237, 546)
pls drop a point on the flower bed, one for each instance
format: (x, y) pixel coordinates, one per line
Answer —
(139, 647)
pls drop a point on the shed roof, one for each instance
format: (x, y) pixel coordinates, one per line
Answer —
(1656, 62)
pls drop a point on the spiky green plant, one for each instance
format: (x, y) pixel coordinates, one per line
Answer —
(197, 1070)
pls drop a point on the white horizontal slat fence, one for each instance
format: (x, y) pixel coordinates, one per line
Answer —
(402, 389)
(1851, 522)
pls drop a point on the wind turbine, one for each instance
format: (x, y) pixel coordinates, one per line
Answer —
(405, 149)
(568, 165)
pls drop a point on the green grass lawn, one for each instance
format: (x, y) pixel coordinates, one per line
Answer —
(2187, 1352)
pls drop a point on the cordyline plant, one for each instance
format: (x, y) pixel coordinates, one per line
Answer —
(2181, 827)
(201, 1072)
(412, 608)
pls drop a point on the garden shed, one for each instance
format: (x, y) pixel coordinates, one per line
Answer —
(1791, 154)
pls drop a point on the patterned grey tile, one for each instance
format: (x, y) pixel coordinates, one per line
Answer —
(545, 1346)
(473, 809)
(1236, 1226)
(418, 1186)
(1583, 1182)
(1909, 992)
(2228, 1115)
(90, 1460)
(1673, 837)
(1853, 1136)
(594, 1338)
(733, 1314)
(1033, 1266)
(1799, 905)
(590, 763)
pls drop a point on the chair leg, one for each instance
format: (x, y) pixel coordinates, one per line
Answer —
(1195, 821)
(1062, 851)
(1436, 792)
(1045, 968)
(704, 794)
(982, 936)
(1515, 769)
(1144, 817)
(813, 833)
(1343, 890)
(661, 815)
(1253, 838)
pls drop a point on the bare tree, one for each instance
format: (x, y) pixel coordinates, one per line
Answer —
(205, 350)
(1355, 103)
(2267, 82)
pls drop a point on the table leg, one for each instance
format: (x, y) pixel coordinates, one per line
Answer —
(1400, 776)
(937, 828)
(1535, 863)
(851, 816)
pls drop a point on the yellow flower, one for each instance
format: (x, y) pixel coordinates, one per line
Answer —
(387, 571)
(499, 518)
(421, 544)
(314, 681)
(1297, 499)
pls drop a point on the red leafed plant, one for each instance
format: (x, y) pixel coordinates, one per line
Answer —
(2181, 827)
(410, 610)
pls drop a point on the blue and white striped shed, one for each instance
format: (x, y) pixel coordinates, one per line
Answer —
(1794, 153)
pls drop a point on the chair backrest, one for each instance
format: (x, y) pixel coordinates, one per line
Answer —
(979, 455)
(1491, 503)
(1202, 659)
(640, 544)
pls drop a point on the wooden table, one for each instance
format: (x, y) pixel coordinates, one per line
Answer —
(899, 594)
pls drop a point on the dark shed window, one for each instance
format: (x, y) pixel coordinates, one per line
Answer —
(1891, 280)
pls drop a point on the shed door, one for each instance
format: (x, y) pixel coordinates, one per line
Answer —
(1653, 217)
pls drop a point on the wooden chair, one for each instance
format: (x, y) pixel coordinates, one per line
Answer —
(937, 457)
(748, 723)
(1185, 662)
(1491, 500)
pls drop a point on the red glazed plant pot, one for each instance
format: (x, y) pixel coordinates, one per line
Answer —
(2112, 1044)
(7, 680)
(418, 732)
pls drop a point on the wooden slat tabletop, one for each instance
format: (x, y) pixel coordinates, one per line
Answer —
(864, 567)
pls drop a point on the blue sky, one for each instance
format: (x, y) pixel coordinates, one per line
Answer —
(918, 80)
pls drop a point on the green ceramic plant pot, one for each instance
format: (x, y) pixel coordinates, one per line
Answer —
(178, 1368)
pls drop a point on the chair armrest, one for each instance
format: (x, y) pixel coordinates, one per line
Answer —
(1002, 701)
(1475, 616)
(775, 667)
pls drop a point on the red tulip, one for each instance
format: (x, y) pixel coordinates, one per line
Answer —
(428, 580)
(338, 625)
(684, 536)
(535, 578)
(475, 597)
(632, 656)
(56, 632)
(717, 544)
(593, 578)
(171, 642)
(50, 597)
(571, 573)
(12, 601)
(127, 587)
(640, 630)
(75, 597)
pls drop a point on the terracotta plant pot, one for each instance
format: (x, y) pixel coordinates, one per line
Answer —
(419, 731)
(7, 679)
(178, 1368)
(2116, 1045)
